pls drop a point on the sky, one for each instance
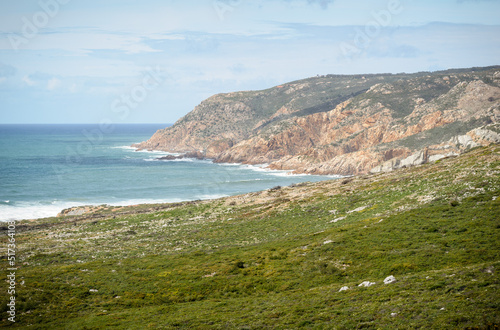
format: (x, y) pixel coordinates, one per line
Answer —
(152, 61)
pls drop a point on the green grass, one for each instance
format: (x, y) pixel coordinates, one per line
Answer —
(277, 259)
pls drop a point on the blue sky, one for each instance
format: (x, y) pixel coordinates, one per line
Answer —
(152, 61)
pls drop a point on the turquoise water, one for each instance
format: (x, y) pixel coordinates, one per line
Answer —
(46, 168)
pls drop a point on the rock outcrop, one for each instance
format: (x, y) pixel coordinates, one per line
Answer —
(455, 146)
(344, 124)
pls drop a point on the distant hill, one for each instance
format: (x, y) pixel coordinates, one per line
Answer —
(344, 124)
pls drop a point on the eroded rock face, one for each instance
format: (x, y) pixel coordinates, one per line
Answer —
(391, 124)
(475, 138)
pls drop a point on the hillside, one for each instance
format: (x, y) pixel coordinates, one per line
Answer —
(288, 257)
(337, 124)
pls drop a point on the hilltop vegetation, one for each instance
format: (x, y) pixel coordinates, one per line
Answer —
(278, 258)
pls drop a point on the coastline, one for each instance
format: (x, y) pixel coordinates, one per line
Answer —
(89, 212)
(199, 155)
(224, 178)
(95, 212)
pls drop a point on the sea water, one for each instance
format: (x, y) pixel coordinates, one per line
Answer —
(46, 168)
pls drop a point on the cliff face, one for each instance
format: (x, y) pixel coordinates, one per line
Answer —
(344, 124)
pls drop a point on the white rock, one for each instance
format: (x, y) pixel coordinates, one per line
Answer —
(389, 279)
(338, 219)
(486, 134)
(344, 288)
(394, 314)
(327, 242)
(417, 158)
(359, 209)
(437, 157)
(93, 290)
(210, 275)
(464, 141)
(367, 283)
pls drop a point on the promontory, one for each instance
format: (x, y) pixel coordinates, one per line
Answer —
(344, 124)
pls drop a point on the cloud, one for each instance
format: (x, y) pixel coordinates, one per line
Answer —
(28, 81)
(53, 83)
(85, 41)
(42, 80)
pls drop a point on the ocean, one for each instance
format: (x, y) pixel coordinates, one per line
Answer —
(47, 168)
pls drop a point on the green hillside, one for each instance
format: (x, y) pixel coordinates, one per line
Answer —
(277, 258)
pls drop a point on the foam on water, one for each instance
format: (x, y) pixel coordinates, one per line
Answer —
(35, 210)
(214, 196)
(124, 148)
(263, 168)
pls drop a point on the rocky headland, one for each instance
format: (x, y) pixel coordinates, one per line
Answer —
(339, 124)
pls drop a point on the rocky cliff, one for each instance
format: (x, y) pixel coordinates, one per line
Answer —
(344, 124)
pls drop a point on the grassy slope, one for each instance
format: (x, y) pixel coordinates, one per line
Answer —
(276, 258)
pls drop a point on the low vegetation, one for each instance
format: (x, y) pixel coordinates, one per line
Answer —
(277, 258)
